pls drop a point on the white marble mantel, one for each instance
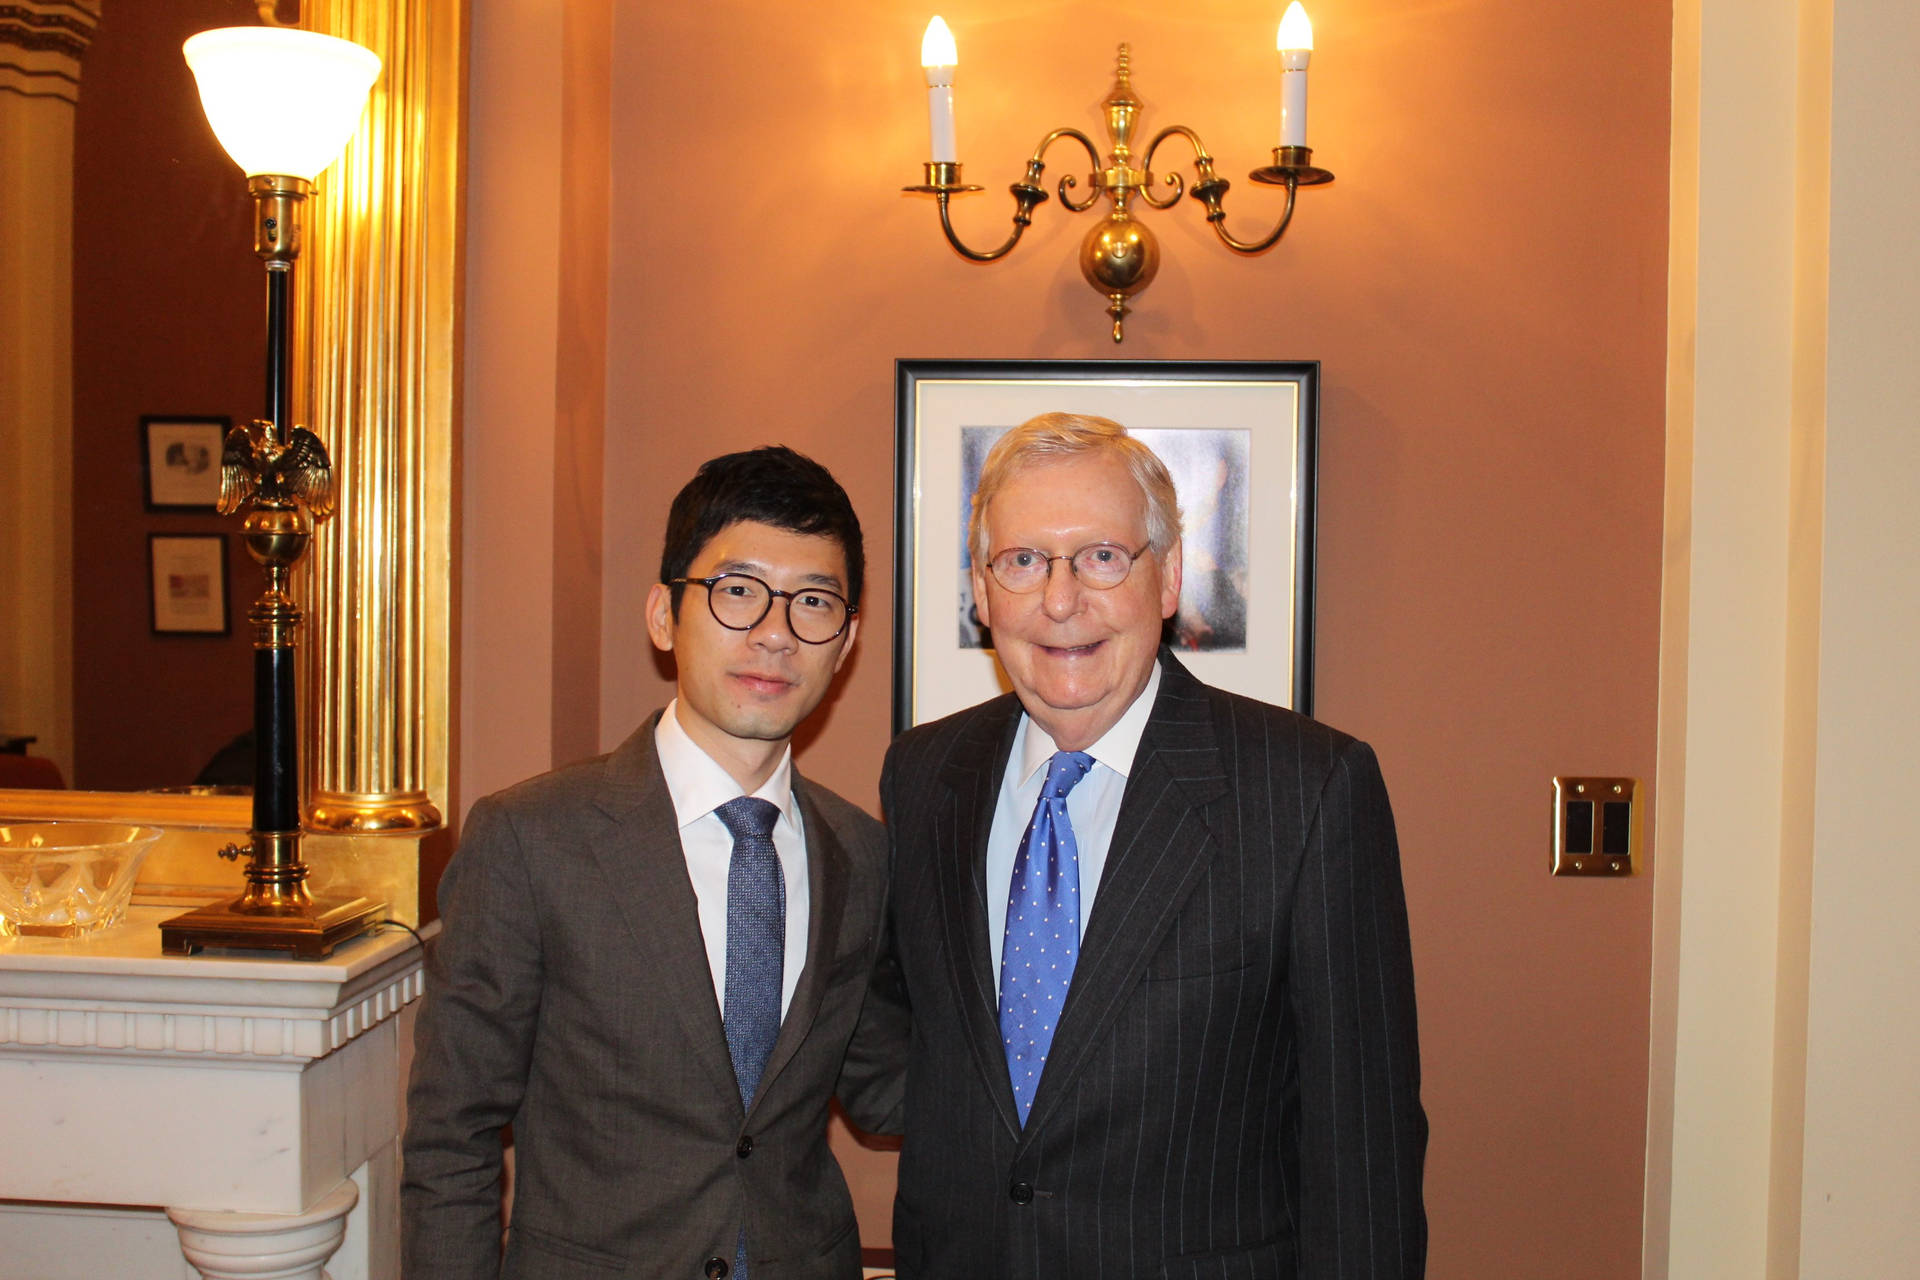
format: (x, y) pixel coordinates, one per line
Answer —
(224, 1105)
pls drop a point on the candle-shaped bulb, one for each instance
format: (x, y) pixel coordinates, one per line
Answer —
(1295, 42)
(1296, 30)
(937, 48)
(939, 56)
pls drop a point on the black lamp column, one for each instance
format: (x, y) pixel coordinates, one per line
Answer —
(276, 753)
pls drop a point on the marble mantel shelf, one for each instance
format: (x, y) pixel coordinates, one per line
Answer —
(230, 1107)
(116, 993)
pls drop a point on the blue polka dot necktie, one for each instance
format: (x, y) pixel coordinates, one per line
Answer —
(756, 951)
(1043, 929)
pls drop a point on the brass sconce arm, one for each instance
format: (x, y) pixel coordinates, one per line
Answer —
(1210, 189)
(943, 183)
(1173, 179)
(1026, 197)
(1067, 182)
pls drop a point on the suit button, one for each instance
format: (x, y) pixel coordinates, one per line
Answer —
(717, 1268)
(744, 1147)
(1020, 1193)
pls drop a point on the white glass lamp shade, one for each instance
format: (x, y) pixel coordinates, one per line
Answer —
(281, 101)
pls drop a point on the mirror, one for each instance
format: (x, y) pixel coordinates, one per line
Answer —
(168, 324)
(169, 342)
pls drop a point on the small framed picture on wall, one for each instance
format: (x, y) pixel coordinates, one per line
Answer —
(189, 583)
(181, 460)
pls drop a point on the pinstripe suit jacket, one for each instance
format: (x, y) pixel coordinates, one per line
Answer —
(1233, 1089)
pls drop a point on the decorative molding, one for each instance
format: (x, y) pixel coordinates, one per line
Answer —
(83, 1027)
(114, 996)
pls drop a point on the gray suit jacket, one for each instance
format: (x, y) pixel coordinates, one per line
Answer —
(1233, 1089)
(570, 995)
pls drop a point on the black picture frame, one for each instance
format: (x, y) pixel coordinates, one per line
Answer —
(1261, 414)
(180, 460)
(187, 584)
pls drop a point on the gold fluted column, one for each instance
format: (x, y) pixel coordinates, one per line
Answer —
(380, 341)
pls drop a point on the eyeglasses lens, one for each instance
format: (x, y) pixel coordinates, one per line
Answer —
(1102, 566)
(740, 602)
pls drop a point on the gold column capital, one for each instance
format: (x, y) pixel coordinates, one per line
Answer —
(41, 45)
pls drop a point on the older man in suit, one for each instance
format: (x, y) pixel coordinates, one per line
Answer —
(655, 963)
(1153, 933)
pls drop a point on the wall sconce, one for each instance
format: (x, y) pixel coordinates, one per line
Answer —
(1120, 255)
(283, 102)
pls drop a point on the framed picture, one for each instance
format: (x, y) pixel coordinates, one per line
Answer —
(189, 583)
(1239, 438)
(181, 461)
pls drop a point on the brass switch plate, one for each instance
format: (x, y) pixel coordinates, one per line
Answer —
(1596, 826)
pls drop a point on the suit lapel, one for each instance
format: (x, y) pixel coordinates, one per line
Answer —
(1161, 844)
(827, 876)
(641, 857)
(963, 817)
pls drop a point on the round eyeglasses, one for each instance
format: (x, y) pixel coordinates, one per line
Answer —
(1101, 566)
(739, 601)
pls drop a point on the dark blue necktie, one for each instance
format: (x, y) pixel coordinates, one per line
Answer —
(756, 951)
(1043, 929)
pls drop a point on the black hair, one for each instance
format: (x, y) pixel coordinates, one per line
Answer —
(772, 485)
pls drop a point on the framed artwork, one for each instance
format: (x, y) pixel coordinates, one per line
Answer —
(188, 574)
(1239, 438)
(180, 459)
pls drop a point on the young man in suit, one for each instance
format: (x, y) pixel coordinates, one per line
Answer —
(655, 964)
(1153, 933)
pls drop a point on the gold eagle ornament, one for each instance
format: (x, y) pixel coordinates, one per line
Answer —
(254, 467)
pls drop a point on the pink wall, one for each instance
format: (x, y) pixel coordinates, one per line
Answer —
(1488, 305)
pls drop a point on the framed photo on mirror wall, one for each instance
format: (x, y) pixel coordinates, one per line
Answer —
(188, 577)
(1240, 439)
(180, 460)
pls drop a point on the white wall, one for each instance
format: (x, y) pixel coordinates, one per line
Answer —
(1784, 1124)
(1861, 1182)
(1730, 683)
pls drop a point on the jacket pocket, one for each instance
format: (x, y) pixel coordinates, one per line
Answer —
(1267, 1260)
(525, 1240)
(1203, 958)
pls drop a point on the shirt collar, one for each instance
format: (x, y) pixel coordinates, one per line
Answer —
(697, 783)
(1116, 748)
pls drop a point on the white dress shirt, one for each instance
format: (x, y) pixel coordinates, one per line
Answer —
(698, 786)
(1093, 806)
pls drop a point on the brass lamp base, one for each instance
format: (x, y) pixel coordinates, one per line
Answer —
(310, 933)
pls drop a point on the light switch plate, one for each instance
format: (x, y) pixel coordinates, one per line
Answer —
(1596, 826)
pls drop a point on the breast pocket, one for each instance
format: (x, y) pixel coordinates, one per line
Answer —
(1188, 957)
